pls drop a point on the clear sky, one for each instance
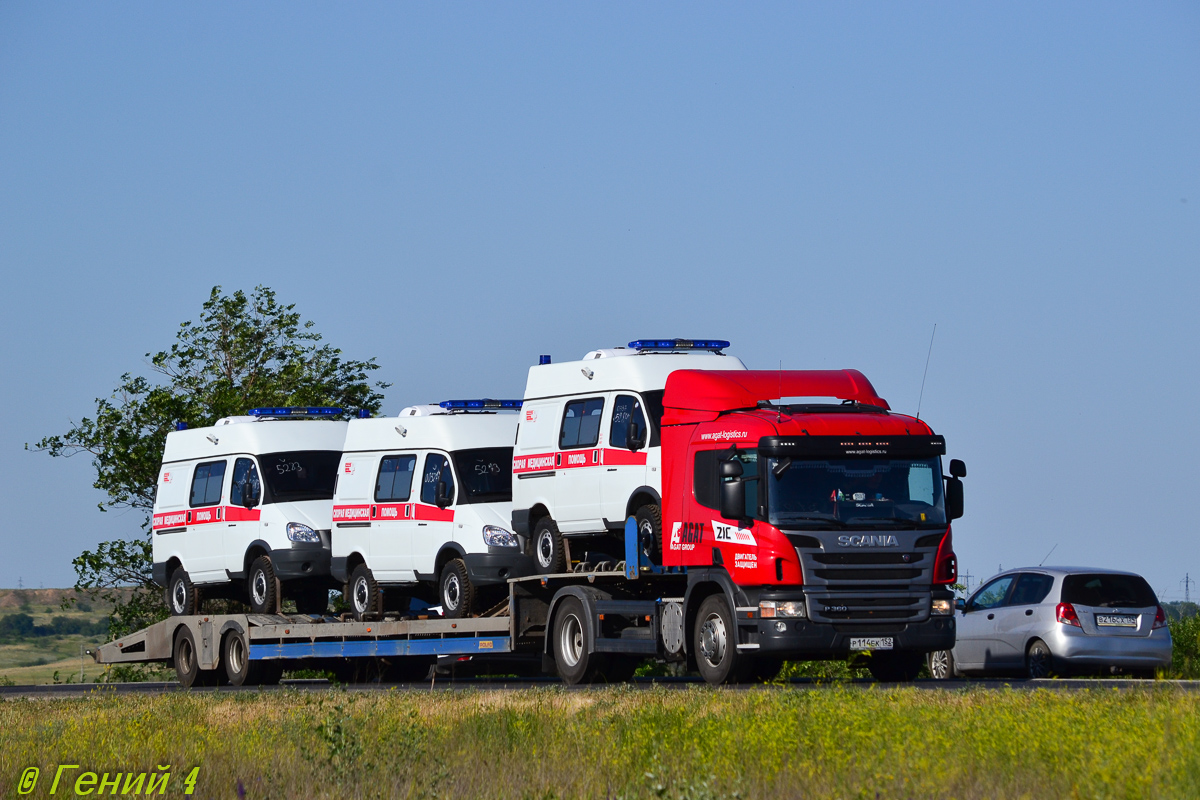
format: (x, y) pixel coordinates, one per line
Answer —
(456, 188)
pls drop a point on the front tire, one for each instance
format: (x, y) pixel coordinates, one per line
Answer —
(262, 586)
(649, 528)
(1039, 661)
(941, 665)
(183, 598)
(549, 551)
(572, 660)
(455, 590)
(365, 597)
(714, 641)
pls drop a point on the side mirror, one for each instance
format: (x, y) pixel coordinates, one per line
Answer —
(250, 494)
(631, 438)
(957, 468)
(731, 469)
(960, 604)
(733, 498)
(954, 498)
(441, 498)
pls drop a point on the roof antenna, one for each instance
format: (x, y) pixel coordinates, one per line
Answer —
(927, 355)
(779, 408)
(1052, 549)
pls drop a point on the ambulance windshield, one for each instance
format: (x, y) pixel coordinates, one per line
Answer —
(299, 475)
(858, 493)
(484, 474)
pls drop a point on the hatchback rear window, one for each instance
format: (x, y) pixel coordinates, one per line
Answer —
(1108, 591)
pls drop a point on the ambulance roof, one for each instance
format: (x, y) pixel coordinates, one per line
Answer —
(233, 435)
(433, 431)
(620, 368)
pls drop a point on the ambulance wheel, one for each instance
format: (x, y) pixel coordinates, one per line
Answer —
(263, 587)
(312, 601)
(548, 549)
(365, 597)
(455, 590)
(715, 642)
(186, 660)
(183, 598)
(649, 528)
(571, 657)
(239, 669)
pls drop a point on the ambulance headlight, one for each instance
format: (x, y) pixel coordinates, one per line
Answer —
(302, 533)
(495, 536)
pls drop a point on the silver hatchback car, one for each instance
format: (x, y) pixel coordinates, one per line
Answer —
(1043, 621)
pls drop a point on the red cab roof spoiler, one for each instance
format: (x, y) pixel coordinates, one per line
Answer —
(699, 395)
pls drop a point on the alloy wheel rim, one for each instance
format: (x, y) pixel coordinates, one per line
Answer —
(940, 664)
(1038, 667)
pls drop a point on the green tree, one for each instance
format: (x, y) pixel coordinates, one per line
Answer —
(244, 352)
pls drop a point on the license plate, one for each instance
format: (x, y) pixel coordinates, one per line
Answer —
(1116, 620)
(871, 643)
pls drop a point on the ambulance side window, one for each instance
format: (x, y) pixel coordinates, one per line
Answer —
(437, 468)
(245, 474)
(626, 408)
(581, 423)
(207, 481)
(394, 484)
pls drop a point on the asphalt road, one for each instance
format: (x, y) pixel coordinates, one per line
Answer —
(1070, 684)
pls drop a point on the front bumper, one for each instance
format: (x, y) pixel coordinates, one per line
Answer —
(497, 565)
(302, 561)
(1073, 648)
(803, 639)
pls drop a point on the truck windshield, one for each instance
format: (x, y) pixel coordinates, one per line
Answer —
(299, 475)
(892, 493)
(484, 474)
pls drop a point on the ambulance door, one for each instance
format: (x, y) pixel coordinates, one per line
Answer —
(241, 525)
(577, 489)
(392, 523)
(434, 525)
(623, 467)
(204, 543)
(533, 455)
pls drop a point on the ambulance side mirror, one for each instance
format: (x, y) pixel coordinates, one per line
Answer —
(631, 438)
(250, 494)
(441, 498)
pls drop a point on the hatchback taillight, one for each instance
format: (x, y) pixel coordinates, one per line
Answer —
(1160, 618)
(1065, 612)
(945, 563)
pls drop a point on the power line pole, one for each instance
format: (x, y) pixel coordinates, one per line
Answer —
(966, 576)
(1187, 587)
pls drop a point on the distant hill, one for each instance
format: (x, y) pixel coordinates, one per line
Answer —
(17, 599)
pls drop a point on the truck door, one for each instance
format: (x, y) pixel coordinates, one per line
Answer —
(392, 522)
(241, 525)
(577, 490)
(623, 469)
(204, 543)
(434, 525)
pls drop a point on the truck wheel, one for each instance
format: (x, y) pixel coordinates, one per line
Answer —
(649, 527)
(239, 669)
(1039, 662)
(365, 597)
(455, 590)
(548, 548)
(312, 601)
(574, 663)
(941, 665)
(186, 661)
(183, 598)
(263, 587)
(715, 641)
(897, 666)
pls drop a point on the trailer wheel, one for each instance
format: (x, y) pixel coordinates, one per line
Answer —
(183, 597)
(365, 597)
(186, 660)
(312, 601)
(649, 528)
(571, 657)
(896, 666)
(235, 656)
(715, 642)
(548, 548)
(263, 587)
(455, 590)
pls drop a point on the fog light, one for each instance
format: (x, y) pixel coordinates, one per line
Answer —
(780, 627)
(941, 608)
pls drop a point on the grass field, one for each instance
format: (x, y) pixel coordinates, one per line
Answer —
(607, 743)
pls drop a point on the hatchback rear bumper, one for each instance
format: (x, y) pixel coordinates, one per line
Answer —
(1076, 648)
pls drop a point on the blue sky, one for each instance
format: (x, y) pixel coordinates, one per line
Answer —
(455, 189)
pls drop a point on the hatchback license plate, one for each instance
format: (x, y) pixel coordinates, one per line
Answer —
(1116, 620)
(871, 643)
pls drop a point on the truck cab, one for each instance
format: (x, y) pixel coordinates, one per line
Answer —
(588, 446)
(423, 508)
(243, 510)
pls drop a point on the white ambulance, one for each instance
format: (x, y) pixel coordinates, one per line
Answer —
(242, 510)
(587, 454)
(423, 506)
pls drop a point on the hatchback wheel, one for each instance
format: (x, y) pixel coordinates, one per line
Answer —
(941, 665)
(1039, 662)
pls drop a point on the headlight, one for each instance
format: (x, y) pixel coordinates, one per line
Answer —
(302, 533)
(781, 608)
(941, 608)
(494, 536)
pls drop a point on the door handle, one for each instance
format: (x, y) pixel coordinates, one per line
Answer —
(991, 616)
(1029, 612)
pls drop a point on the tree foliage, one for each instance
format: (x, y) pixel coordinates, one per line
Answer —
(245, 351)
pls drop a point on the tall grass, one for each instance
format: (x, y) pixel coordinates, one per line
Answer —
(607, 743)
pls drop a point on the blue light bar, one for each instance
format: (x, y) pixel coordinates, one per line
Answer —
(485, 404)
(297, 411)
(679, 344)
(364, 413)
